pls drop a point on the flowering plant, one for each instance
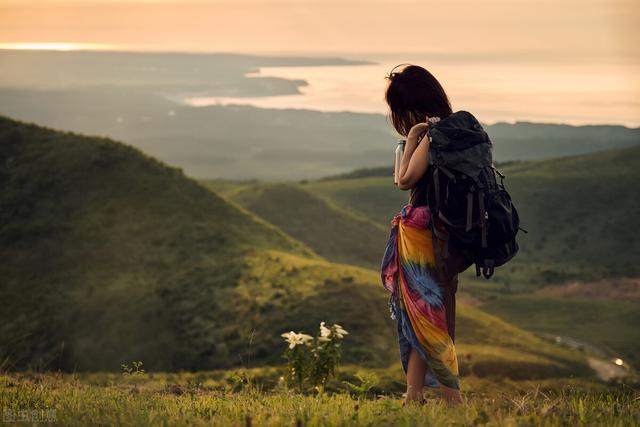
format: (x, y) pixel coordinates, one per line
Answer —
(313, 359)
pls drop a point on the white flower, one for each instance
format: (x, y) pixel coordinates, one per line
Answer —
(324, 331)
(306, 339)
(340, 331)
(296, 339)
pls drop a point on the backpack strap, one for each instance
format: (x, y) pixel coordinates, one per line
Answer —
(436, 186)
(440, 255)
(500, 175)
(469, 210)
(448, 173)
(483, 222)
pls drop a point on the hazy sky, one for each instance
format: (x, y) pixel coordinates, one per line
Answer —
(547, 30)
(555, 60)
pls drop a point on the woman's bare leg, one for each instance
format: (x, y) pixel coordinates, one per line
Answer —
(451, 396)
(416, 371)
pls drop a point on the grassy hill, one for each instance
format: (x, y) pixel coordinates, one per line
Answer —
(333, 233)
(582, 214)
(98, 239)
(110, 256)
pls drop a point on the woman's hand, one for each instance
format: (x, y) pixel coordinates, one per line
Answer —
(417, 131)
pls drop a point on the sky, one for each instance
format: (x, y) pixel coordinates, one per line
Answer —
(528, 29)
(562, 60)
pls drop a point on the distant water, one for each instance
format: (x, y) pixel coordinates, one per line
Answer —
(511, 90)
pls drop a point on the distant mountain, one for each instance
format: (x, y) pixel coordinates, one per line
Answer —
(170, 73)
(135, 97)
(109, 256)
(582, 213)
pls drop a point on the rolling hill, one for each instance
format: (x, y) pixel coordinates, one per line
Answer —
(110, 256)
(333, 233)
(582, 214)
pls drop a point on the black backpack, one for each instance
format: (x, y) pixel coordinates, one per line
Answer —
(471, 212)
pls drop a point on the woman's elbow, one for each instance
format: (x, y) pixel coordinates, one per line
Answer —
(404, 185)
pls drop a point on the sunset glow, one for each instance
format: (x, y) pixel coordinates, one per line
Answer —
(570, 61)
(56, 46)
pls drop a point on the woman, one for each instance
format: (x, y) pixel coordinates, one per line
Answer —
(422, 297)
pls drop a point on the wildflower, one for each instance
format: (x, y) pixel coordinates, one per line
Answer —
(340, 331)
(324, 331)
(296, 339)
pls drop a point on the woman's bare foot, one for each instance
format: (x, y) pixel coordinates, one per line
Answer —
(451, 396)
(413, 395)
(419, 401)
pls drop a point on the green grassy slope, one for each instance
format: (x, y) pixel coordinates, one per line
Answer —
(283, 292)
(112, 253)
(610, 325)
(110, 256)
(215, 398)
(333, 233)
(582, 214)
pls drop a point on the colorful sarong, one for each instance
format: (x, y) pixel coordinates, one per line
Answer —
(408, 271)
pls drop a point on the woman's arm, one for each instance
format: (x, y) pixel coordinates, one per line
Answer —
(415, 158)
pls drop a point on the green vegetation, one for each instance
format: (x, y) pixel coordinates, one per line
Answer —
(582, 215)
(123, 257)
(333, 233)
(126, 259)
(608, 324)
(219, 398)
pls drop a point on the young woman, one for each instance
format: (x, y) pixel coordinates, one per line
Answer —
(422, 297)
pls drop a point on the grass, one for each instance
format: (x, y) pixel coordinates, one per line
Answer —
(127, 259)
(582, 216)
(201, 399)
(124, 257)
(334, 234)
(605, 323)
(581, 213)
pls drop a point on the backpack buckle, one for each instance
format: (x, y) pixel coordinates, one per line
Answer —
(487, 269)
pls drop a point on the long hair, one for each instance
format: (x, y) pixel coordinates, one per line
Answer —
(413, 94)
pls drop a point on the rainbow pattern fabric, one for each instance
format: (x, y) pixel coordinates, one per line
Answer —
(408, 271)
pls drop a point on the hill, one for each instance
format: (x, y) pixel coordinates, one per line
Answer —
(334, 234)
(582, 214)
(110, 256)
(104, 238)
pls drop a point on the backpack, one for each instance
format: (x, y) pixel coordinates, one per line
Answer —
(470, 211)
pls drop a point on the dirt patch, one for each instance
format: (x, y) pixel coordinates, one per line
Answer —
(468, 299)
(606, 370)
(619, 289)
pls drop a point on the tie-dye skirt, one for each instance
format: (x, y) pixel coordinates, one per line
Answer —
(417, 298)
